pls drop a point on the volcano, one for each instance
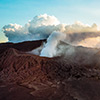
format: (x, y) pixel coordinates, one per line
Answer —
(73, 74)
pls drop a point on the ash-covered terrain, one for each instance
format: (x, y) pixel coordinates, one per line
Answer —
(69, 73)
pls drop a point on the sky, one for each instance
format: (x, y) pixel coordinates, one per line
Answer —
(67, 11)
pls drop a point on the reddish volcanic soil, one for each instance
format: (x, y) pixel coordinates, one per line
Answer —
(26, 76)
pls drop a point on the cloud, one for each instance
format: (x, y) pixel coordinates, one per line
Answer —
(79, 27)
(43, 20)
(40, 27)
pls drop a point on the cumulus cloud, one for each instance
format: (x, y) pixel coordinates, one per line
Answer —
(79, 27)
(44, 20)
(40, 27)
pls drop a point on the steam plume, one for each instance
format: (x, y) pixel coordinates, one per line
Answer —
(50, 48)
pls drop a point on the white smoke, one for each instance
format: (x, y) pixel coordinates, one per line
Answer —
(57, 45)
(50, 48)
(37, 51)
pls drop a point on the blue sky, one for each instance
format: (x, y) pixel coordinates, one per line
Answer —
(67, 11)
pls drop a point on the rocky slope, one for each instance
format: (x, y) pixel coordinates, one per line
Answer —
(25, 76)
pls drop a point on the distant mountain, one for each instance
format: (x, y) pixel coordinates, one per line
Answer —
(73, 74)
